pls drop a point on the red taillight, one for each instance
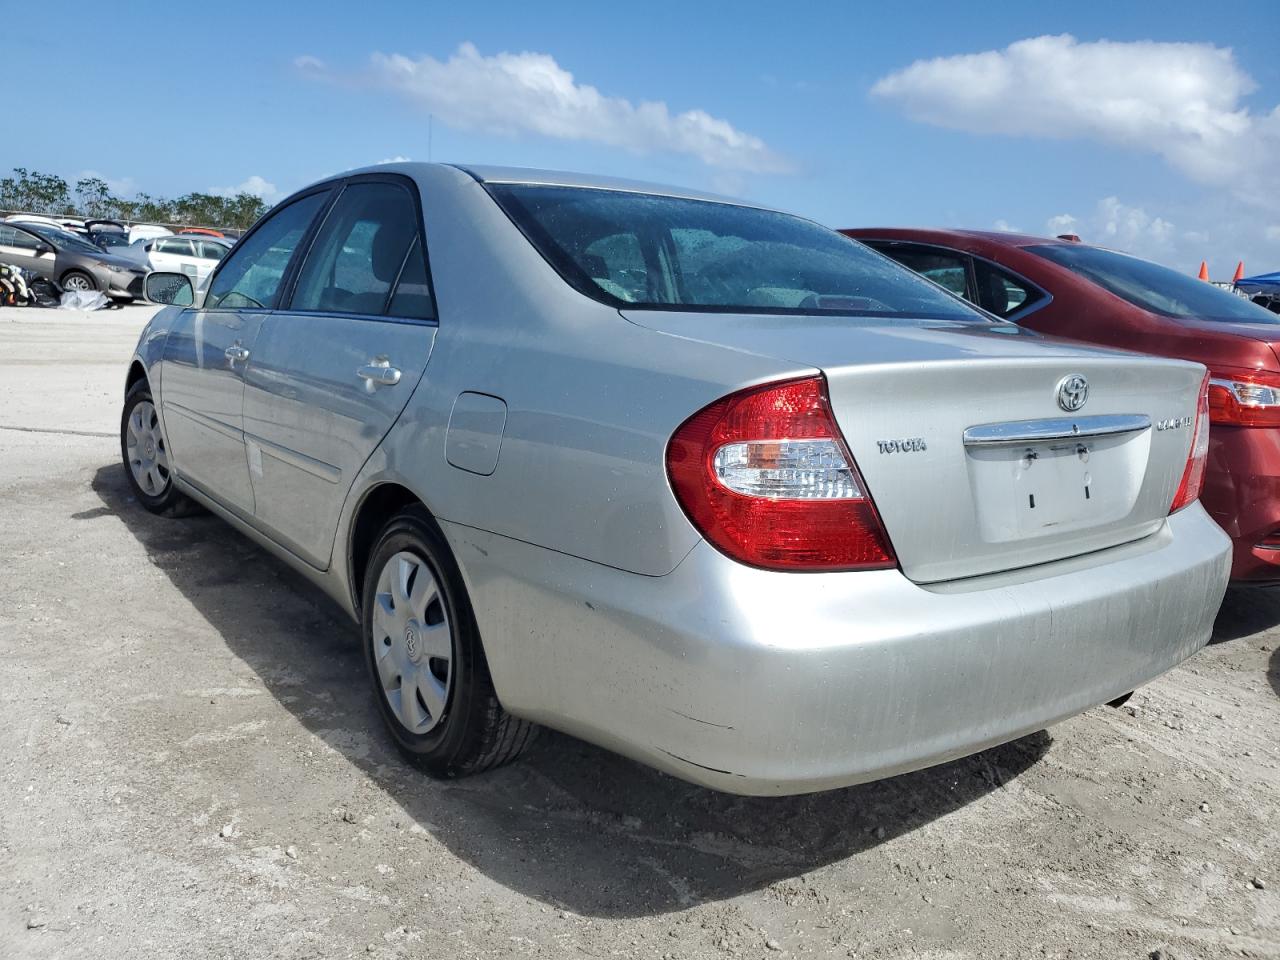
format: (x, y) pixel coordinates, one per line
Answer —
(765, 476)
(1193, 473)
(1248, 398)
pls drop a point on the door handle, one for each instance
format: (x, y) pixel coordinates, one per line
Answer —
(379, 373)
(236, 352)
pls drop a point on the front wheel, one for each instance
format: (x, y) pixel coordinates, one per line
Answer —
(146, 456)
(426, 663)
(78, 281)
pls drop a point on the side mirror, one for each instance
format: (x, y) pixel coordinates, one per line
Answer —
(43, 248)
(171, 288)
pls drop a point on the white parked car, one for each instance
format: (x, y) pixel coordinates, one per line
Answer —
(194, 256)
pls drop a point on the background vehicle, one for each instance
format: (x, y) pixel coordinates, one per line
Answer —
(1264, 290)
(29, 219)
(112, 241)
(194, 256)
(1086, 293)
(108, 234)
(70, 261)
(143, 231)
(702, 482)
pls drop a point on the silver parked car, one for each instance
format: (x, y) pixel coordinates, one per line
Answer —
(704, 483)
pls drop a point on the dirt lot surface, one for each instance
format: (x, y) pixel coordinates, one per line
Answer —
(191, 766)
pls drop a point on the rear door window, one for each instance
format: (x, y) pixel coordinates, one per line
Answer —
(359, 252)
(1003, 293)
(413, 290)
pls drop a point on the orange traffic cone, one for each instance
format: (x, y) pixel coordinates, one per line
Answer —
(1239, 272)
(1204, 270)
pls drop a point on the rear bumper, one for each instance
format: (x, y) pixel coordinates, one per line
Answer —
(767, 683)
(1242, 493)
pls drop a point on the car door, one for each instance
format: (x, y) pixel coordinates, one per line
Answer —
(332, 371)
(208, 350)
(23, 249)
(174, 254)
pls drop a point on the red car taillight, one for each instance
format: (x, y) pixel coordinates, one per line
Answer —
(765, 476)
(1245, 399)
(1193, 473)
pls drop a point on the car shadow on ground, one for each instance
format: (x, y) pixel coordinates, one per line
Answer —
(1245, 611)
(569, 824)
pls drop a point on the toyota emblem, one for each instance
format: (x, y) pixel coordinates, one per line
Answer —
(1073, 391)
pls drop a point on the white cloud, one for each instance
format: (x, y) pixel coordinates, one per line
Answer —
(510, 94)
(1062, 223)
(1127, 227)
(1004, 226)
(255, 185)
(1220, 233)
(119, 187)
(396, 159)
(1179, 100)
(1123, 227)
(308, 62)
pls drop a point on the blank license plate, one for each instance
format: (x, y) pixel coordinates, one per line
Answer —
(1034, 490)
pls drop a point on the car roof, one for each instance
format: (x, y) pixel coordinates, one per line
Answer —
(484, 173)
(944, 234)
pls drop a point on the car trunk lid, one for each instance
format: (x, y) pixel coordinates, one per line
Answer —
(957, 430)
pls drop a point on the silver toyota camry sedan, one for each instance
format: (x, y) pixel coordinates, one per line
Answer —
(702, 482)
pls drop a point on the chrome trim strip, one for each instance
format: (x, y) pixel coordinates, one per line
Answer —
(1057, 428)
(317, 468)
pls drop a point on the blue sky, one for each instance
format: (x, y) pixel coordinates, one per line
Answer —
(1164, 139)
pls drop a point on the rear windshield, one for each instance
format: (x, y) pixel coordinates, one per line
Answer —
(639, 250)
(1153, 287)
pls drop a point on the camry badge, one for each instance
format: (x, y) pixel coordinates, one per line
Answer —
(1073, 391)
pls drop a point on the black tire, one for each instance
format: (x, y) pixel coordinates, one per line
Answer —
(69, 278)
(167, 502)
(474, 733)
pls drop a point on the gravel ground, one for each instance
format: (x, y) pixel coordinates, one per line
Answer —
(191, 766)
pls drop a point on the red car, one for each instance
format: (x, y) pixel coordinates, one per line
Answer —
(1070, 289)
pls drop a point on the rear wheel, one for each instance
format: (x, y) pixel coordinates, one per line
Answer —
(424, 655)
(146, 456)
(78, 280)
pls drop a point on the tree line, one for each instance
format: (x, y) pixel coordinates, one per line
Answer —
(33, 192)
